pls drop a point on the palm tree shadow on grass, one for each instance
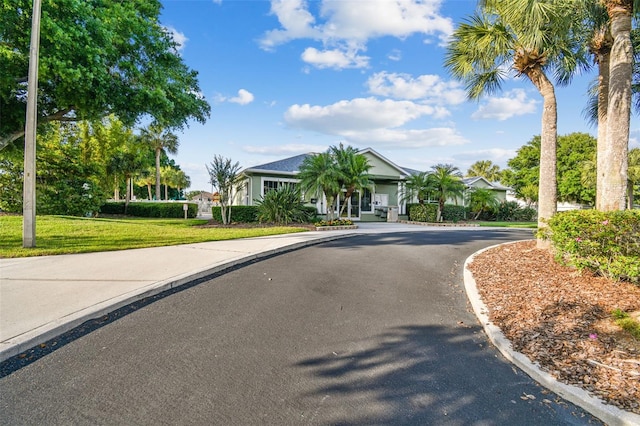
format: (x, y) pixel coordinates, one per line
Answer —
(428, 375)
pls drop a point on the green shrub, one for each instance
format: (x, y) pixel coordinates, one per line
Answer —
(283, 206)
(607, 243)
(511, 211)
(454, 213)
(242, 214)
(148, 209)
(423, 212)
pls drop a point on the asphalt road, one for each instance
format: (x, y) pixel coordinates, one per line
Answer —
(374, 329)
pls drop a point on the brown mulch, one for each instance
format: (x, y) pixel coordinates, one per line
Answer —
(561, 319)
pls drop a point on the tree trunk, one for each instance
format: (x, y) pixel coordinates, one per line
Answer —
(116, 189)
(547, 189)
(613, 176)
(149, 190)
(603, 59)
(127, 197)
(629, 195)
(166, 192)
(157, 174)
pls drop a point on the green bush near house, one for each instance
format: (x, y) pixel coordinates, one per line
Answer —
(607, 243)
(241, 214)
(283, 206)
(159, 210)
(511, 211)
(454, 213)
(423, 212)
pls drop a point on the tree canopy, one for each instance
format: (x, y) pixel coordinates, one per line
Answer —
(576, 151)
(97, 57)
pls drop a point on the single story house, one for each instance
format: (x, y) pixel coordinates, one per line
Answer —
(371, 204)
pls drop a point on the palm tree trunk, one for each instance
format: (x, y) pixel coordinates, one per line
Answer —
(547, 189)
(613, 178)
(629, 194)
(166, 192)
(149, 190)
(603, 59)
(116, 189)
(157, 174)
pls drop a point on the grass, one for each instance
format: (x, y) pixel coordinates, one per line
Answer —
(67, 234)
(532, 225)
(627, 323)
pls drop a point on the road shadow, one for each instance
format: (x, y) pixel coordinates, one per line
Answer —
(428, 375)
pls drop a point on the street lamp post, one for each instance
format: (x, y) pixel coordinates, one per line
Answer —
(29, 186)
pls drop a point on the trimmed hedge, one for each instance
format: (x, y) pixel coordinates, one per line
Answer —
(147, 209)
(607, 243)
(423, 212)
(454, 213)
(243, 214)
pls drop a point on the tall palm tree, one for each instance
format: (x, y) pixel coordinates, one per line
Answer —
(319, 174)
(447, 181)
(160, 140)
(531, 37)
(354, 171)
(612, 184)
(485, 169)
(418, 186)
(147, 178)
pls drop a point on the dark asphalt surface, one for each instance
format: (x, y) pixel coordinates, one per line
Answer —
(374, 329)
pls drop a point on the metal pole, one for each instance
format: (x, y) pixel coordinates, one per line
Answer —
(29, 186)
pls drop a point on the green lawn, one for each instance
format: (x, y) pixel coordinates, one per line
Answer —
(66, 234)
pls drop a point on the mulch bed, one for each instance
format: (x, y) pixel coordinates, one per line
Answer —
(561, 319)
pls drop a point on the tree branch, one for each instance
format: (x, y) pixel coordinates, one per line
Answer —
(58, 116)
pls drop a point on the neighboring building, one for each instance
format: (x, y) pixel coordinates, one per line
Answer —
(372, 204)
(481, 182)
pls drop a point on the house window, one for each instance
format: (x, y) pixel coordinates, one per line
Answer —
(273, 184)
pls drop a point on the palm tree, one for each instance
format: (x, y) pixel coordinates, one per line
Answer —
(485, 169)
(319, 174)
(147, 178)
(182, 181)
(160, 140)
(354, 171)
(447, 181)
(531, 37)
(633, 175)
(612, 179)
(223, 174)
(418, 186)
(481, 200)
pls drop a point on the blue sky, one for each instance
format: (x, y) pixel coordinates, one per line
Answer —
(285, 77)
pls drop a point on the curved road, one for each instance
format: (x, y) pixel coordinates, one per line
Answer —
(373, 329)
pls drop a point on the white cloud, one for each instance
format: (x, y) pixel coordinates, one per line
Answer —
(289, 149)
(348, 25)
(244, 97)
(296, 21)
(513, 104)
(334, 58)
(430, 88)
(498, 156)
(355, 114)
(395, 55)
(369, 121)
(178, 37)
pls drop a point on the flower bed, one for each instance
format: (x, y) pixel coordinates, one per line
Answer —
(334, 225)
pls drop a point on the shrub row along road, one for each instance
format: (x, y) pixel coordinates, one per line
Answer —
(373, 329)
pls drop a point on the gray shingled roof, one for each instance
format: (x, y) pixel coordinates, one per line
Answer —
(290, 165)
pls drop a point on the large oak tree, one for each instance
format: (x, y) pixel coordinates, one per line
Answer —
(96, 57)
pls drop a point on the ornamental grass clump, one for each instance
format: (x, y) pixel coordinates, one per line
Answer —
(607, 243)
(283, 206)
